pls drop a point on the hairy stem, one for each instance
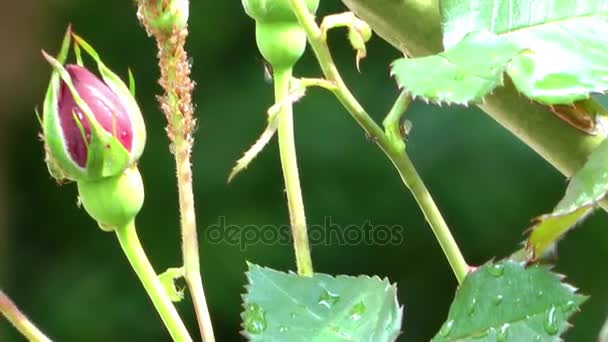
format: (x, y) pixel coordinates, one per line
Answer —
(393, 151)
(179, 111)
(289, 164)
(20, 321)
(127, 236)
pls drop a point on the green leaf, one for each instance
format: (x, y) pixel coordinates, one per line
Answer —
(457, 75)
(565, 42)
(587, 187)
(287, 307)
(507, 301)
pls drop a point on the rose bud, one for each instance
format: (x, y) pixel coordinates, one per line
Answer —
(94, 134)
(92, 127)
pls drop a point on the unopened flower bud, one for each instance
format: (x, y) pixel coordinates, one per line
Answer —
(105, 106)
(92, 127)
(164, 16)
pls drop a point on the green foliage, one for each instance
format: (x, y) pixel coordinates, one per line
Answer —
(456, 75)
(587, 187)
(288, 307)
(507, 301)
(562, 43)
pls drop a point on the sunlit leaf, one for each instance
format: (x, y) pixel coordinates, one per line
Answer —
(457, 75)
(565, 42)
(588, 186)
(507, 301)
(286, 307)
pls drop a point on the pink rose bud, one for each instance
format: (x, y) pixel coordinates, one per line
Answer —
(92, 126)
(105, 106)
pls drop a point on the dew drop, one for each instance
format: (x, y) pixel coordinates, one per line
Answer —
(283, 329)
(540, 293)
(498, 299)
(550, 323)
(255, 319)
(569, 307)
(446, 328)
(328, 299)
(357, 311)
(497, 270)
(472, 307)
(501, 336)
(293, 315)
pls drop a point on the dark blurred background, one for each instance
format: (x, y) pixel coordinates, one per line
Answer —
(72, 279)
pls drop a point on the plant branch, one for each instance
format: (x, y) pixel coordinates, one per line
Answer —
(127, 236)
(413, 27)
(179, 111)
(289, 163)
(393, 151)
(20, 321)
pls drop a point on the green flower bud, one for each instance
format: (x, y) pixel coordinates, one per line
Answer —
(92, 128)
(165, 16)
(279, 36)
(113, 201)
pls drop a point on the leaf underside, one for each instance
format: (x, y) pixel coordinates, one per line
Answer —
(456, 75)
(286, 307)
(563, 43)
(507, 301)
(587, 187)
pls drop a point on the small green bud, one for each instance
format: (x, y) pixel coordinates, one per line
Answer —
(279, 36)
(113, 201)
(165, 16)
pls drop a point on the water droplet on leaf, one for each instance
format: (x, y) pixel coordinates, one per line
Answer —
(550, 323)
(328, 299)
(472, 307)
(498, 299)
(569, 307)
(501, 336)
(357, 311)
(255, 319)
(497, 270)
(446, 328)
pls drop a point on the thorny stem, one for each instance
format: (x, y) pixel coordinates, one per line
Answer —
(127, 236)
(397, 155)
(20, 321)
(177, 107)
(289, 164)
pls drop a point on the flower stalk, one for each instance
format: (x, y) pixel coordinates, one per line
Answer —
(20, 321)
(127, 236)
(166, 21)
(393, 151)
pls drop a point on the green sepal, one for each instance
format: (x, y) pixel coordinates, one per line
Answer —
(113, 201)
